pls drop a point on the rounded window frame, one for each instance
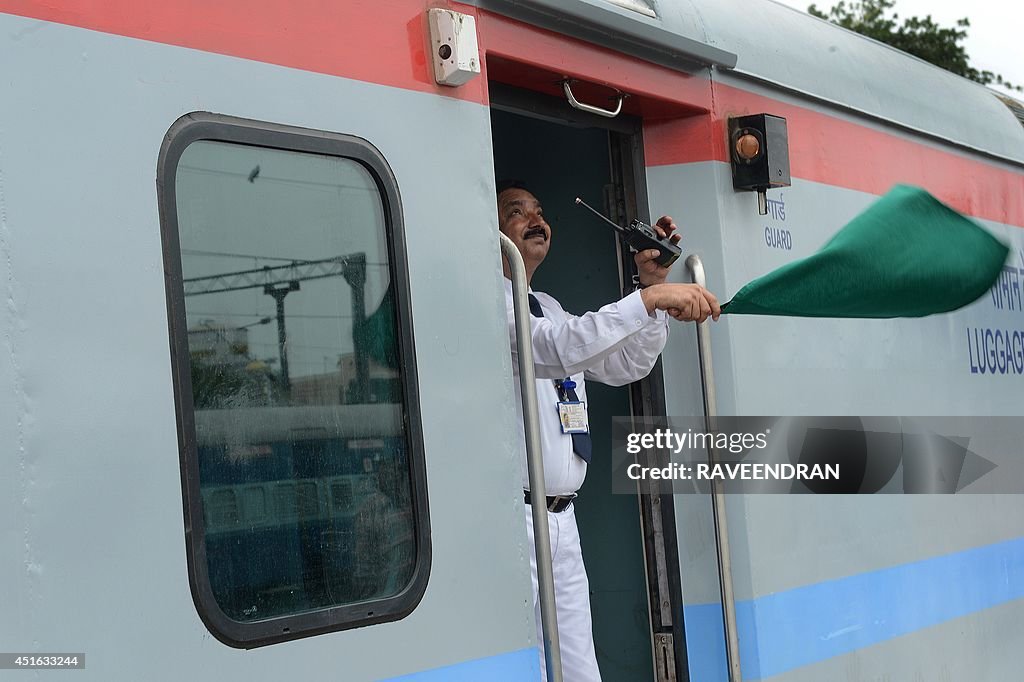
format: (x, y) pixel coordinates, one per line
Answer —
(204, 126)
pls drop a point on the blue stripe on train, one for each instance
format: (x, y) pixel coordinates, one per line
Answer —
(517, 666)
(790, 629)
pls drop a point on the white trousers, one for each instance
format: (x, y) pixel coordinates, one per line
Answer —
(572, 598)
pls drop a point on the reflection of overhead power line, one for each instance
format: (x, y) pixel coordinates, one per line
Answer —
(246, 256)
(252, 256)
(310, 316)
(280, 280)
(351, 267)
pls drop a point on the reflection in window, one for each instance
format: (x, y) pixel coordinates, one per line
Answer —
(296, 388)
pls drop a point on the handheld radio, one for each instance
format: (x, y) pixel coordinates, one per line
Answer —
(639, 235)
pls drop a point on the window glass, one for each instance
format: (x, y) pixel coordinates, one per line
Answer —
(645, 7)
(296, 385)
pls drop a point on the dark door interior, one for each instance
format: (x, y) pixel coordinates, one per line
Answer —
(560, 161)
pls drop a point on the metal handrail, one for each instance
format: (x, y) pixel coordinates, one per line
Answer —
(534, 459)
(732, 641)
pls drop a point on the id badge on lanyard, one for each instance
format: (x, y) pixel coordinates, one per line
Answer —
(572, 413)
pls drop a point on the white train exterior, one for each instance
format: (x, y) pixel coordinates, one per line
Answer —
(182, 496)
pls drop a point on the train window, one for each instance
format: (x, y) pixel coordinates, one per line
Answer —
(644, 7)
(292, 348)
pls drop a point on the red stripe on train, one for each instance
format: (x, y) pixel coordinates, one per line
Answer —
(822, 148)
(832, 151)
(654, 91)
(378, 41)
(318, 36)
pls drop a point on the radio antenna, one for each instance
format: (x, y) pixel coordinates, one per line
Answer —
(618, 228)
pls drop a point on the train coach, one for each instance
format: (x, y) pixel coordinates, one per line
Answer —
(257, 404)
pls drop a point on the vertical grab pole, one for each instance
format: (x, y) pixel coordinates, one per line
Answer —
(732, 640)
(534, 459)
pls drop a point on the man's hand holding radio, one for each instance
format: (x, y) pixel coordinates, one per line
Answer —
(651, 272)
(684, 302)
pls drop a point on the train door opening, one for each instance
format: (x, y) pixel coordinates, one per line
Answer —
(561, 154)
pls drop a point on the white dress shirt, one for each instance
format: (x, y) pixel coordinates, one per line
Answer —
(616, 345)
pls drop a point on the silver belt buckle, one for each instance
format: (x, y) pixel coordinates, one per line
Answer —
(560, 498)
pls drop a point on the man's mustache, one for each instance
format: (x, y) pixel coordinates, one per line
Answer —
(534, 231)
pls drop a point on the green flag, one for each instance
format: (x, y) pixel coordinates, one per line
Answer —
(907, 255)
(376, 334)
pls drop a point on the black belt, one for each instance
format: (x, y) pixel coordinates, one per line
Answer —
(556, 503)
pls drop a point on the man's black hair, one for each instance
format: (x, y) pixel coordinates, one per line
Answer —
(510, 183)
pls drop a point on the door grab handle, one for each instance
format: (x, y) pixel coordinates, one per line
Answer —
(576, 104)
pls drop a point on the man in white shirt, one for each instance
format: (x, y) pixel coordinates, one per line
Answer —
(617, 344)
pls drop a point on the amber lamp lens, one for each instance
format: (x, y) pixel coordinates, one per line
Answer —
(747, 146)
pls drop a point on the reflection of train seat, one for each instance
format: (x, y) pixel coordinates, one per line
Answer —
(268, 541)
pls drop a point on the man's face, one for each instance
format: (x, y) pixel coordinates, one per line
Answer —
(521, 219)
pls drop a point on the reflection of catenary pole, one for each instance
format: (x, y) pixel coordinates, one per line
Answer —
(280, 280)
(279, 291)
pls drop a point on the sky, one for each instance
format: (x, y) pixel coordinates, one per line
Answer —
(993, 40)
